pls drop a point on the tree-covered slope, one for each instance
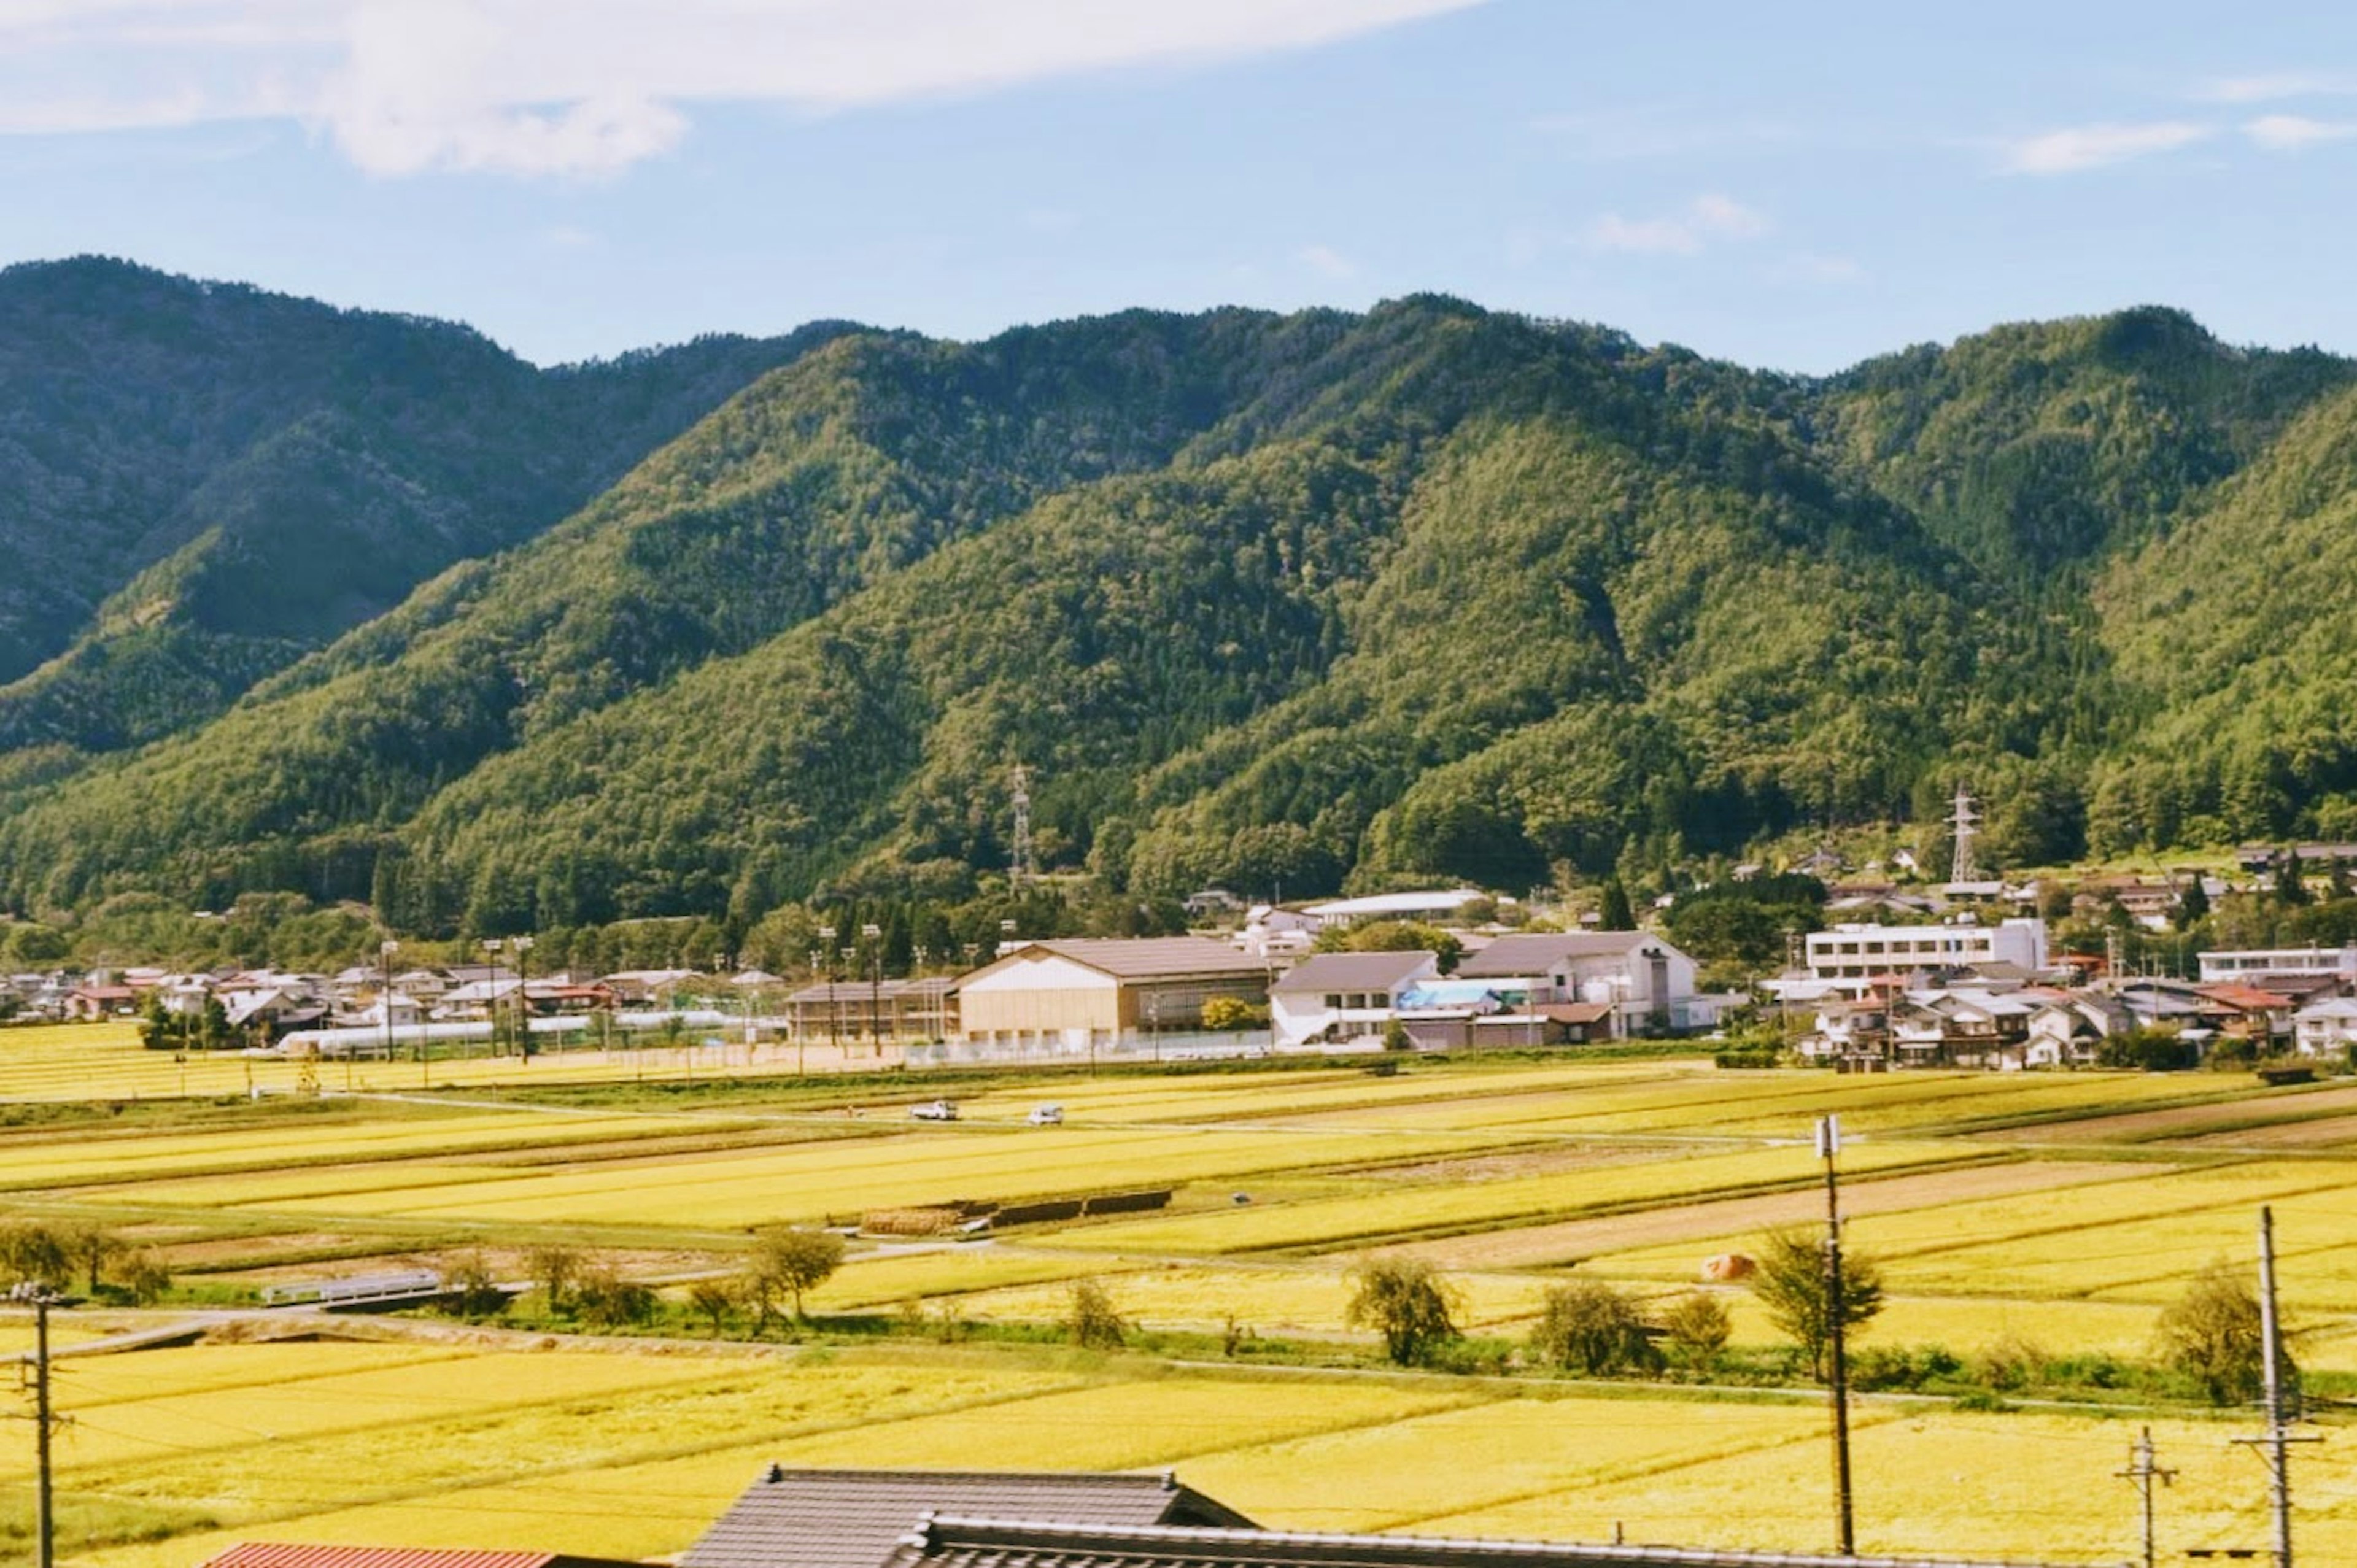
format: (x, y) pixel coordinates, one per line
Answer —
(1270, 600)
(199, 483)
(2042, 445)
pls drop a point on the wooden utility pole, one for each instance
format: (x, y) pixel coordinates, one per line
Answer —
(41, 1298)
(2142, 1472)
(1828, 1146)
(2274, 1447)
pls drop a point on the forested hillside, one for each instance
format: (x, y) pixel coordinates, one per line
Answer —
(201, 483)
(1267, 600)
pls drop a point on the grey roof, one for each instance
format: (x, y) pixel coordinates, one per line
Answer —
(1534, 952)
(945, 1541)
(1354, 971)
(854, 1518)
(1155, 958)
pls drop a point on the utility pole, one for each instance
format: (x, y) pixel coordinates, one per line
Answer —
(41, 1298)
(1829, 1145)
(2141, 1471)
(2274, 1447)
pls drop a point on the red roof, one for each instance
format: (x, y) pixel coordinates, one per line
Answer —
(2245, 998)
(271, 1554)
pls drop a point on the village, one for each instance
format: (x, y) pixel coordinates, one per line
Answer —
(1903, 974)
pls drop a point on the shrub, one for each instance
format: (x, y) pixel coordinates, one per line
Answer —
(609, 1301)
(1093, 1323)
(1402, 1300)
(1594, 1328)
(470, 1290)
(2214, 1334)
(1695, 1329)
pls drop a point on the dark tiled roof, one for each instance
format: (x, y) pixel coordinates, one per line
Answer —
(855, 1519)
(1531, 952)
(961, 1543)
(1354, 971)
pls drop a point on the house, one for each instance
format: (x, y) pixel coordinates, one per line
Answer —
(914, 1519)
(1271, 932)
(89, 1003)
(2249, 1013)
(1641, 979)
(1961, 1027)
(859, 1519)
(2326, 1028)
(2069, 1029)
(1341, 996)
(1080, 994)
(2156, 1004)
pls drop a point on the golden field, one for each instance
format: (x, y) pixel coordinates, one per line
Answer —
(2061, 1211)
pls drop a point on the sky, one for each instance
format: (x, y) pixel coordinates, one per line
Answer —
(1796, 186)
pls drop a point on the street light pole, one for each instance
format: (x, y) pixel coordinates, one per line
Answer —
(873, 936)
(834, 1004)
(384, 951)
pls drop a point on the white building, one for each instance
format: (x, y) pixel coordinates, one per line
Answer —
(2327, 1028)
(2248, 963)
(1343, 996)
(1850, 955)
(1441, 905)
(1638, 976)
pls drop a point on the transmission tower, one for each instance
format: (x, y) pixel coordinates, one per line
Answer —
(1967, 824)
(1020, 869)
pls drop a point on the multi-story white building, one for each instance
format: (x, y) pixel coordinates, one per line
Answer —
(1848, 956)
(2249, 964)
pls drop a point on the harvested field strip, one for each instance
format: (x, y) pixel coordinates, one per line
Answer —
(137, 1376)
(1319, 1094)
(1578, 1241)
(2285, 1107)
(1983, 1487)
(905, 1171)
(1404, 1210)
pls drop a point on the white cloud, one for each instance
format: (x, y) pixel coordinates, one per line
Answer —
(2081, 148)
(588, 86)
(2267, 88)
(1707, 218)
(1326, 260)
(2291, 133)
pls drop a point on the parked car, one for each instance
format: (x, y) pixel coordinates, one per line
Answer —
(935, 1110)
(1046, 1116)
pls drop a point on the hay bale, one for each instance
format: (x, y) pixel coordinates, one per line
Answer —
(1728, 1267)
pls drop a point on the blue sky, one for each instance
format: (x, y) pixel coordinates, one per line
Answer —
(1794, 186)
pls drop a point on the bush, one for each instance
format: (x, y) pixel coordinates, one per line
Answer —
(470, 1290)
(1402, 1300)
(609, 1301)
(1595, 1329)
(1095, 1324)
(1228, 1015)
(2214, 1334)
(2148, 1051)
(1696, 1330)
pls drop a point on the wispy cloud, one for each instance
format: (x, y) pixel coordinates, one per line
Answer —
(1706, 218)
(2078, 148)
(1327, 261)
(2293, 133)
(588, 86)
(2270, 87)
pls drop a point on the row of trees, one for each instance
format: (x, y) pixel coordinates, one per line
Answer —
(61, 1253)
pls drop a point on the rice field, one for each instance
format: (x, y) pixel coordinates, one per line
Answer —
(2059, 1211)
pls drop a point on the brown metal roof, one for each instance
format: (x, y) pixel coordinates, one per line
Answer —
(272, 1554)
(1352, 970)
(853, 1519)
(1155, 958)
(961, 1542)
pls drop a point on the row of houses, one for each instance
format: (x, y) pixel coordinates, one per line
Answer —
(275, 1000)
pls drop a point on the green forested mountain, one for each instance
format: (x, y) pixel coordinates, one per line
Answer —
(1431, 591)
(201, 483)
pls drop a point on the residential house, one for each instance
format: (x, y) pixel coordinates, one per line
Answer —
(853, 1519)
(2326, 1028)
(1077, 995)
(1337, 997)
(1273, 933)
(90, 1003)
(1641, 979)
(1961, 1027)
(2068, 1028)
(2249, 1013)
